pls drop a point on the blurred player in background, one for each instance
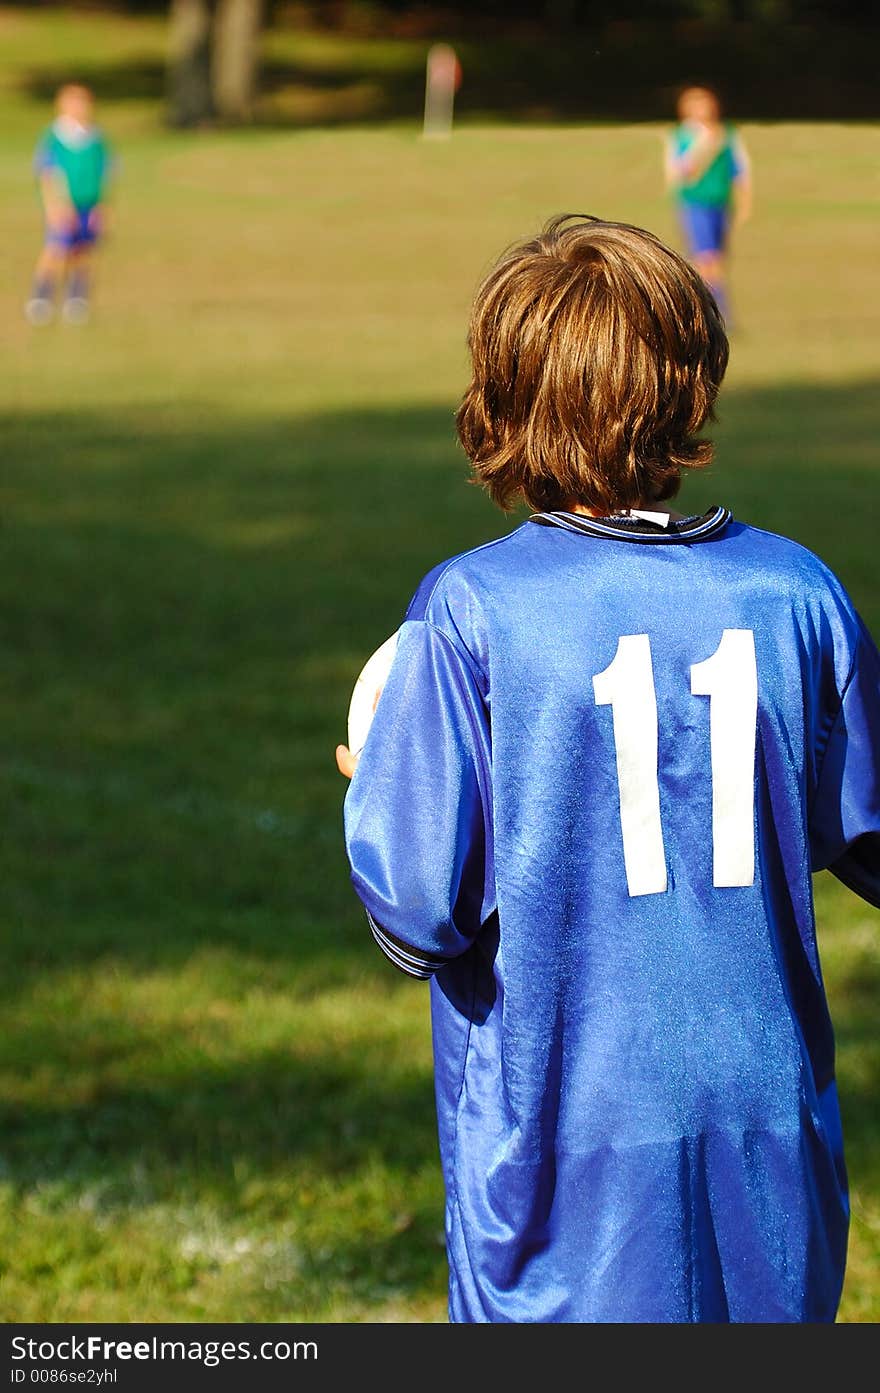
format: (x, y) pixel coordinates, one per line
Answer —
(709, 171)
(72, 164)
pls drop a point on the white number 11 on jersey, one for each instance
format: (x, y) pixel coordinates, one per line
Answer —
(730, 680)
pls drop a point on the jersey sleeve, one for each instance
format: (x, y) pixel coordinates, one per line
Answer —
(845, 814)
(110, 164)
(416, 819)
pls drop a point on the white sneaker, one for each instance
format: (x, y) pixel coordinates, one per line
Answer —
(39, 311)
(75, 310)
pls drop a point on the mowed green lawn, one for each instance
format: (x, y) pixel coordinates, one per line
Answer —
(216, 499)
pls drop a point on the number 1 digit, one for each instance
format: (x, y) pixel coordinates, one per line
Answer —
(627, 686)
(730, 680)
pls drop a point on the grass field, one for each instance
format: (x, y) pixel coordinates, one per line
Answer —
(215, 1097)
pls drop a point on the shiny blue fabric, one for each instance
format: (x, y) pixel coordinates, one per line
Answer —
(635, 1095)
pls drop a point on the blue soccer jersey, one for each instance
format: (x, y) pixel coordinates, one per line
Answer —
(608, 757)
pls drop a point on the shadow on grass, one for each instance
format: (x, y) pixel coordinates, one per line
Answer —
(186, 602)
(631, 72)
(195, 1124)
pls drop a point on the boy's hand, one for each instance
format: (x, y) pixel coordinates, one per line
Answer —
(346, 762)
(60, 216)
(703, 151)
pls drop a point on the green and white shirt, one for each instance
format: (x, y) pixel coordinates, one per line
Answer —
(80, 155)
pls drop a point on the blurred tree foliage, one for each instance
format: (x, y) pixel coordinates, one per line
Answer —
(523, 59)
(603, 12)
(459, 15)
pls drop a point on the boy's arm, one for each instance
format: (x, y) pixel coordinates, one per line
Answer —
(845, 816)
(54, 193)
(859, 868)
(108, 181)
(415, 812)
(57, 206)
(101, 213)
(742, 182)
(671, 172)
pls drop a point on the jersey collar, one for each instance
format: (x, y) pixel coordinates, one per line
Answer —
(638, 528)
(72, 134)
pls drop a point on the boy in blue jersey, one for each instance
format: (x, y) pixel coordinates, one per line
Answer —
(72, 164)
(709, 171)
(612, 748)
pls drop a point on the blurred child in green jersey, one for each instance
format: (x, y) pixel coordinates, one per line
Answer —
(708, 170)
(72, 164)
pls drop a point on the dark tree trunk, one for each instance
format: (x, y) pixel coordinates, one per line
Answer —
(189, 63)
(235, 58)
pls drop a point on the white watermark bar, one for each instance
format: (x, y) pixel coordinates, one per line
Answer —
(146, 1356)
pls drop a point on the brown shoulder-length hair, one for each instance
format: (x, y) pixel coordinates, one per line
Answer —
(597, 357)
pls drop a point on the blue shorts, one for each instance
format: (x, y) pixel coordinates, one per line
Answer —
(82, 231)
(705, 226)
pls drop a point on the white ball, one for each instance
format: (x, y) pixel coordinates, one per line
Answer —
(373, 676)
